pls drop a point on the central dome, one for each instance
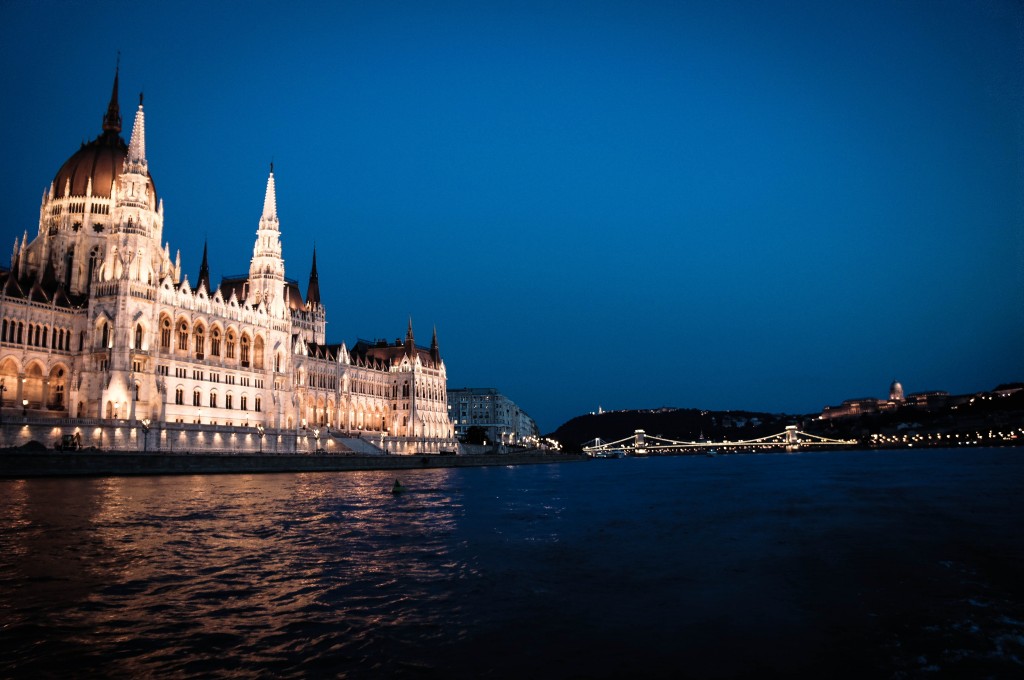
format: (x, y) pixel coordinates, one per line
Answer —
(101, 160)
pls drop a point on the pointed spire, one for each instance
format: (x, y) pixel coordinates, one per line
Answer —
(408, 333)
(313, 290)
(112, 120)
(435, 352)
(137, 145)
(270, 200)
(204, 272)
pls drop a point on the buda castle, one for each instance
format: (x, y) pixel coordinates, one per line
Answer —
(104, 339)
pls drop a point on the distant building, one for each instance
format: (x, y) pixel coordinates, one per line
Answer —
(485, 407)
(936, 399)
(895, 391)
(853, 407)
(869, 405)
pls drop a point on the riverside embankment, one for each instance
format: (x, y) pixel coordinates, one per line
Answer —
(16, 463)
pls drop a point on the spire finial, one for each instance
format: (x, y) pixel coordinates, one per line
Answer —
(112, 119)
(313, 290)
(204, 271)
(137, 144)
(270, 199)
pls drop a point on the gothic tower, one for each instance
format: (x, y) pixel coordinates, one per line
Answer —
(266, 271)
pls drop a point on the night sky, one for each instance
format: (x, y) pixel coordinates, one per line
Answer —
(753, 205)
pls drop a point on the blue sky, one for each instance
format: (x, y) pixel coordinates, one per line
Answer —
(757, 205)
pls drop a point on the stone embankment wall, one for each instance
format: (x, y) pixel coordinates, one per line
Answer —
(22, 463)
(132, 436)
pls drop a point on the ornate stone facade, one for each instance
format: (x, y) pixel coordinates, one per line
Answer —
(100, 327)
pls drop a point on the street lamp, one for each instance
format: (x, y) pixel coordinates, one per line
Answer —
(316, 436)
(261, 432)
(145, 435)
(24, 407)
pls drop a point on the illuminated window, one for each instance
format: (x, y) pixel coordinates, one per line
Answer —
(200, 341)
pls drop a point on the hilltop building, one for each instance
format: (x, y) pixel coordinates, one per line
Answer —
(871, 405)
(102, 333)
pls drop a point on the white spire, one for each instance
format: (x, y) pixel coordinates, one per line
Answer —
(137, 145)
(270, 200)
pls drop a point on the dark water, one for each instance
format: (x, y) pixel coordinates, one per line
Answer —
(895, 564)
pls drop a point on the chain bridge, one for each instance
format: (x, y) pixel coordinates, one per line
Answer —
(643, 444)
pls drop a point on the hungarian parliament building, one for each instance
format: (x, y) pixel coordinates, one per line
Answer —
(103, 339)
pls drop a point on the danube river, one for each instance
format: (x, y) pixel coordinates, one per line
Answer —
(854, 564)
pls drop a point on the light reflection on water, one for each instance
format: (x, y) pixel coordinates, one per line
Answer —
(853, 563)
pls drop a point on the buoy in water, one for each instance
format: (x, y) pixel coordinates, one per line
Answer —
(397, 488)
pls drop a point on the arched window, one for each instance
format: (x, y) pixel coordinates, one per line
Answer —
(94, 258)
(227, 401)
(138, 336)
(179, 396)
(245, 350)
(165, 333)
(104, 334)
(215, 342)
(69, 259)
(199, 339)
(58, 389)
(213, 400)
(183, 337)
(230, 342)
(257, 353)
(277, 362)
(197, 398)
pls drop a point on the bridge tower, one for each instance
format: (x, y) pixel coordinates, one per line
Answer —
(792, 441)
(639, 443)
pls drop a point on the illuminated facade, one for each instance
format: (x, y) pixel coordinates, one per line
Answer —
(99, 324)
(500, 418)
